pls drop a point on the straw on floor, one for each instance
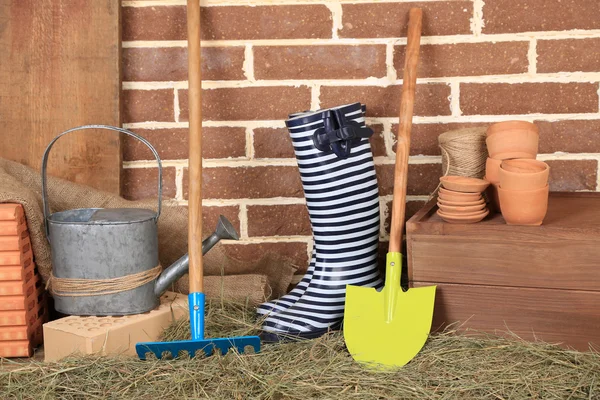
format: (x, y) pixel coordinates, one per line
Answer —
(450, 366)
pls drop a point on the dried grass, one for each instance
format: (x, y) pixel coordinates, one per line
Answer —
(450, 366)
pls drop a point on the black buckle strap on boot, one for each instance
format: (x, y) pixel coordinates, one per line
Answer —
(339, 134)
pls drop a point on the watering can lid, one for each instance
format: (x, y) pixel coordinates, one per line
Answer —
(102, 216)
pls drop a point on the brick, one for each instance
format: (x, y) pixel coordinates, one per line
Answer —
(467, 59)
(412, 206)
(319, 62)
(210, 216)
(377, 141)
(572, 175)
(148, 105)
(141, 183)
(278, 220)
(568, 55)
(171, 64)
(111, 335)
(507, 16)
(248, 182)
(172, 144)
(229, 22)
(527, 98)
(578, 136)
(422, 178)
(234, 104)
(253, 254)
(272, 143)
(431, 99)
(383, 20)
(424, 137)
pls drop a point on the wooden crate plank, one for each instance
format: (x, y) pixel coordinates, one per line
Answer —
(60, 68)
(569, 317)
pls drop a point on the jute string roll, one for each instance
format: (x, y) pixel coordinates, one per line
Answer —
(464, 152)
(76, 287)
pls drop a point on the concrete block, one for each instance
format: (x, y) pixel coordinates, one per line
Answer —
(111, 335)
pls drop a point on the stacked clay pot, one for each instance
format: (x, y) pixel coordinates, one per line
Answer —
(519, 183)
(460, 200)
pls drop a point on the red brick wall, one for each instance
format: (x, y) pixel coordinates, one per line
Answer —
(537, 60)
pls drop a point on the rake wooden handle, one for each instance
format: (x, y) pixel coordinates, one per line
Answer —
(195, 159)
(407, 102)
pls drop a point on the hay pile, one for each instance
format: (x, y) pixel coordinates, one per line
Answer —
(450, 366)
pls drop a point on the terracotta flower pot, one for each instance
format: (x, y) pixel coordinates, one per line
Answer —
(523, 174)
(524, 207)
(512, 139)
(492, 170)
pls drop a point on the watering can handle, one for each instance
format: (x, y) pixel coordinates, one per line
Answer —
(111, 128)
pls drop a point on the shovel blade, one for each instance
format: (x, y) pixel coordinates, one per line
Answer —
(383, 339)
(193, 348)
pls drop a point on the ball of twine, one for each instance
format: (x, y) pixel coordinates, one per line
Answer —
(464, 152)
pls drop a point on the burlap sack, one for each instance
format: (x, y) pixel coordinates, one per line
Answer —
(21, 184)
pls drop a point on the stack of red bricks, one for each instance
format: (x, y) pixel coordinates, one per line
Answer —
(23, 308)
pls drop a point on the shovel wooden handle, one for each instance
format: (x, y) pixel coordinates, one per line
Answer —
(407, 102)
(195, 159)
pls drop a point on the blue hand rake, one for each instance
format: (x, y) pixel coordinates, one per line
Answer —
(198, 344)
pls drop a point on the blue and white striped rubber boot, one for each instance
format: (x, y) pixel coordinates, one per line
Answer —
(338, 175)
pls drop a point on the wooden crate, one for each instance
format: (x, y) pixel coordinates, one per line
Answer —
(537, 282)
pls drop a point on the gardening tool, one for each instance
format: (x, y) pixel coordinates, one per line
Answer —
(91, 246)
(387, 329)
(196, 297)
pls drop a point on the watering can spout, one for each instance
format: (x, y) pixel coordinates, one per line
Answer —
(170, 275)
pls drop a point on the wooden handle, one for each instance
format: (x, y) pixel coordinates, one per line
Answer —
(195, 158)
(407, 102)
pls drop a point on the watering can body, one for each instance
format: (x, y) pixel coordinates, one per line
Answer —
(95, 245)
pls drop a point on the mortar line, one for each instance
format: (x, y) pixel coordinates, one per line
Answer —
(270, 239)
(532, 57)
(383, 216)
(389, 138)
(176, 110)
(248, 65)
(315, 97)
(392, 74)
(525, 77)
(425, 40)
(336, 18)
(249, 143)
(179, 183)
(243, 217)
(477, 22)
(455, 99)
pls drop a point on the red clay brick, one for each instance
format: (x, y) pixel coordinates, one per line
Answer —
(172, 144)
(377, 141)
(248, 182)
(250, 103)
(431, 99)
(568, 55)
(424, 137)
(578, 136)
(141, 183)
(319, 62)
(278, 220)
(527, 98)
(504, 16)
(210, 216)
(412, 206)
(384, 20)
(467, 59)
(253, 254)
(422, 178)
(571, 175)
(148, 105)
(272, 143)
(229, 22)
(171, 64)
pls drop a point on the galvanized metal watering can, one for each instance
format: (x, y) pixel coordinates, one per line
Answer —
(105, 261)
